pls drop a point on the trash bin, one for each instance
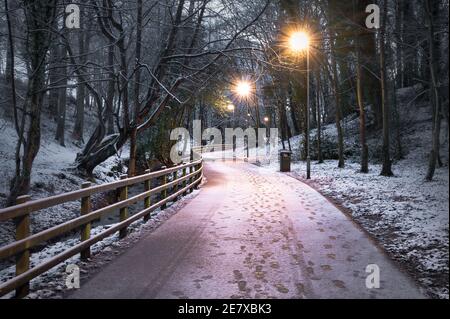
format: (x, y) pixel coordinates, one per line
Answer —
(285, 161)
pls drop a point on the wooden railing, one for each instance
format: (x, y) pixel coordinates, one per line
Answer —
(191, 178)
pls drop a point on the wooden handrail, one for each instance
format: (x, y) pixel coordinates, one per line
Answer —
(24, 244)
(43, 203)
(17, 247)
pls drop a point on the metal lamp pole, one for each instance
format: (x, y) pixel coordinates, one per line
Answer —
(308, 155)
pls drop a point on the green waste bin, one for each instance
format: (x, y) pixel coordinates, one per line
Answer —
(285, 161)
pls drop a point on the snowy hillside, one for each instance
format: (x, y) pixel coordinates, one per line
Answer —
(52, 174)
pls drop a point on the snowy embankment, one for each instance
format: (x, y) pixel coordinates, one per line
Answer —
(407, 216)
(52, 174)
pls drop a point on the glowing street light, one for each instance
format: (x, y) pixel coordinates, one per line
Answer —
(230, 107)
(266, 119)
(243, 89)
(299, 41)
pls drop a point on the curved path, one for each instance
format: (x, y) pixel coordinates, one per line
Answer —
(251, 233)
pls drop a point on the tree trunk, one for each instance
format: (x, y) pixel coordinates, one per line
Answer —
(293, 112)
(359, 91)
(39, 18)
(137, 80)
(283, 121)
(54, 81)
(10, 90)
(62, 100)
(319, 118)
(78, 130)
(362, 123)
(10, 74)
(336, 89)
(432, 9)
(111, 92)
(387, 164)
(398, 133)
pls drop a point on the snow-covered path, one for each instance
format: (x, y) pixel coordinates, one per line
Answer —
(251, 233)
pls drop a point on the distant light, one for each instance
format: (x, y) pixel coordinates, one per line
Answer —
(299, 41)
(230, 107)
(266, 119)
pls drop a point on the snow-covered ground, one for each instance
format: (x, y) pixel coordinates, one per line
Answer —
(52, 174)
(408, 216)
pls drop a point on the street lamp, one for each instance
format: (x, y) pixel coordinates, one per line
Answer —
(243, 89)
(299, 41)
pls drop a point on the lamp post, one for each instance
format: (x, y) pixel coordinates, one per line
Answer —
(244, 90)
(298, 42)
(232, 108)
(308, 120)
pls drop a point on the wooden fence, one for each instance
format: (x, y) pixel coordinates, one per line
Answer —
(173, 183)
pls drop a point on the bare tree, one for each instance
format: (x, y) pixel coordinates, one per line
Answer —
(432, 13)
(387, 163)
(359, 9)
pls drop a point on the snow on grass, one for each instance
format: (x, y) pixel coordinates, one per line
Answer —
(407, 215)
(52, 174)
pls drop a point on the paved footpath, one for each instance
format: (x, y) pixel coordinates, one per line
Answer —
(251, 233)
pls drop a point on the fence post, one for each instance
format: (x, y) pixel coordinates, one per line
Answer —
(185, 181)
(147, 200)
(123, 195)
(86, 230)
(192, 178)
(196, 176)
(164, 192)
(175, 187)
(224, 150)
(22, 259)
